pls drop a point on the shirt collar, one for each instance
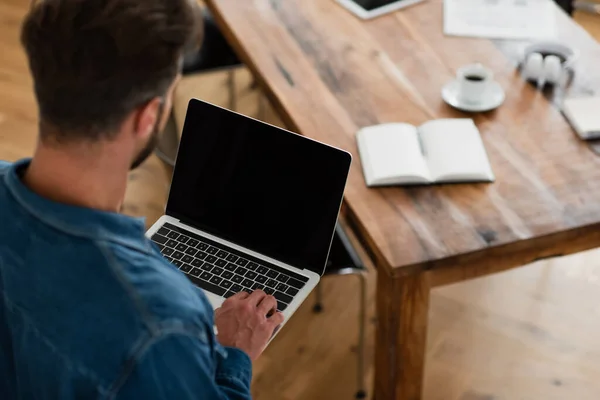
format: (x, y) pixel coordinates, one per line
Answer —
(77, 221)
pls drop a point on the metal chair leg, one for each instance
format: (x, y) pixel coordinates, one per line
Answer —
(362, 316)
(232, 91)
(318, 307)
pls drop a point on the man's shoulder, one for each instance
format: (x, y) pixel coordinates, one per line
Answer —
(4, 167)
(163, 293)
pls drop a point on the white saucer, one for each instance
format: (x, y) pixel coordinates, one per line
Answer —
(492, 101)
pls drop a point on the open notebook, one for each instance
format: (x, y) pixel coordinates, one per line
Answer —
(445, 150)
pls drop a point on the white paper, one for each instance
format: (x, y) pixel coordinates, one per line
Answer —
(500, 19)
(584, 116)
(391, 154)
(455, 152)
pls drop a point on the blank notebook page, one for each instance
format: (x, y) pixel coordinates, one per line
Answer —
(391, 150)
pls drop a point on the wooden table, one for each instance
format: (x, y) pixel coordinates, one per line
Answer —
(329, 74)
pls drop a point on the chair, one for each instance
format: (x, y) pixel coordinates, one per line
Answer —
(344, 260)
(215, 54)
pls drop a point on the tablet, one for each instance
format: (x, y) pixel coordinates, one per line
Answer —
(366, 9)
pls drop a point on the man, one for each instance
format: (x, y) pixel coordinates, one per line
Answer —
(88, 307)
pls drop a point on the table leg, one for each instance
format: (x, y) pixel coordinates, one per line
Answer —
(402, 312)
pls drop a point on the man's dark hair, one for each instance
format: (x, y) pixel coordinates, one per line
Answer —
(95, 61)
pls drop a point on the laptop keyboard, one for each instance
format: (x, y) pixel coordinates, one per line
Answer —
(225, 271)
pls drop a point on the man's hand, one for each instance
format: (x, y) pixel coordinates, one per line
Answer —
(247, 322)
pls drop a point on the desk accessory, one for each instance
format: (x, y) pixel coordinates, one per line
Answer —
(548, 63)
(444, 150)
(584, 116)
(473, 90)
(367, 9)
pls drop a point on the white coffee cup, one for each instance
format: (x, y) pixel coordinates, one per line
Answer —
(474, 83)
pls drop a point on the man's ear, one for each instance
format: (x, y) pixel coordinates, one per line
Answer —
(147, 118)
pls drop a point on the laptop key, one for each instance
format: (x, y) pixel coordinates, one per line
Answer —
(187, 259)
(212, 250)
(209, 287)
(220, 263)
(250, 275)
(177, 255)
(283, 278)
(217, 271)
(226, 284)
(197, 263)
(268, 290)
(222, 254)
(160, 239)
(177, 262)
(272, 283)
(196, 272)
(207, 267)
(167, 251)
(236, 288)
(160, 246)
(242, 261)
(202, 246)
(172, 243)
(272, 273)
(227, 274)
(205, 275)
(163, 231)
(201, 255)
(216, 280)
(241, 270)
(228, 294)
(193, 242)
(173, 235)
(237, 279)
(186, 268)
(232, 258)
(283, 297)
(191, 251)
(211, 259)
(292, 291)
(281, 306)
(169, 259)
(282, 287)
(262, 269)
(247, 283)
(261, 279)
(230, 267)
(183, 239)
(252, 265)
(181, 247)
(257, 286)
(295, 283)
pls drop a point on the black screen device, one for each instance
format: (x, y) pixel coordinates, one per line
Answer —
(267, 189)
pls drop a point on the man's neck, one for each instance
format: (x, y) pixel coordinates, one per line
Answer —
(92, 176)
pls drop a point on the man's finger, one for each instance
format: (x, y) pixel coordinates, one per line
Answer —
(239, 296)
(268, 305)
(276, 319)
(256, 297)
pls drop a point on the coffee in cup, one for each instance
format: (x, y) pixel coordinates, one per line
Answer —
(473, 83)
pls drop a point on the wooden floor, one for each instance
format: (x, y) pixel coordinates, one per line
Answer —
(531, 333)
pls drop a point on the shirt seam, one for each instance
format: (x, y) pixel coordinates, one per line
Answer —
(64, 228)
(116, 268)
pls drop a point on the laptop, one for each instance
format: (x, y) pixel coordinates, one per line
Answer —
(251, 206)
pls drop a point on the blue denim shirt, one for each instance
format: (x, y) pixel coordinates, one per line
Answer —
(89, 309)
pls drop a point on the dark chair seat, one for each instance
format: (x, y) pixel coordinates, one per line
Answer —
(215, 53)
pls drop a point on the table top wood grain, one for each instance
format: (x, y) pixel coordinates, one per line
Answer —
(330, 74)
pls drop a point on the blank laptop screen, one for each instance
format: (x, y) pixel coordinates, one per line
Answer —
(258, 186)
